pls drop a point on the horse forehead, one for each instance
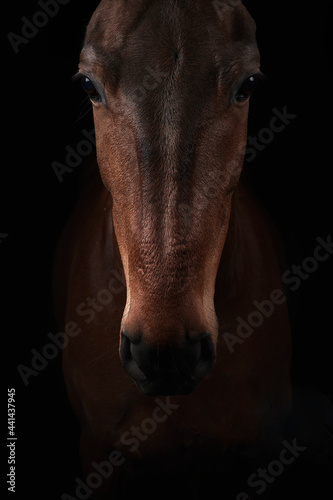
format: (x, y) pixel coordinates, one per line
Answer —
(115, 22)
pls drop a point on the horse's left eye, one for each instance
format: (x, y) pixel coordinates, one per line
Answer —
(246, 89)
(90, 89)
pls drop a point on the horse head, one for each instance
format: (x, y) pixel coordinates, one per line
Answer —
(170, 82)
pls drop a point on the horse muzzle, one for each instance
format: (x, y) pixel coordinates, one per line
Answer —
(167, 370)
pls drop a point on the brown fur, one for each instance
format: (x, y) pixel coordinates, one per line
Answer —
(195, 249)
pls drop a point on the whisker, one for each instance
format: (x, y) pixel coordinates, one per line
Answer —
(86, 108)
(113, 349)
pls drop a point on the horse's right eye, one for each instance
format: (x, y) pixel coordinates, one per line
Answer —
(90, 89)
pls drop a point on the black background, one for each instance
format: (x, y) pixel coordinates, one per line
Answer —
(45, 112)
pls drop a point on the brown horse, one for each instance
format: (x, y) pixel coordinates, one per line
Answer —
(160, 265)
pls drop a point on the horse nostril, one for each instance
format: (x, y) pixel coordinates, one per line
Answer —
(169, 367)
(207, 356)
(190, 354)
(127, 359)
(125, 352)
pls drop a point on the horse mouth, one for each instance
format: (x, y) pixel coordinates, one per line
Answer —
(170, 372)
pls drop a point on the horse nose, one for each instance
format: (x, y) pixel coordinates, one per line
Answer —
(167, 370)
